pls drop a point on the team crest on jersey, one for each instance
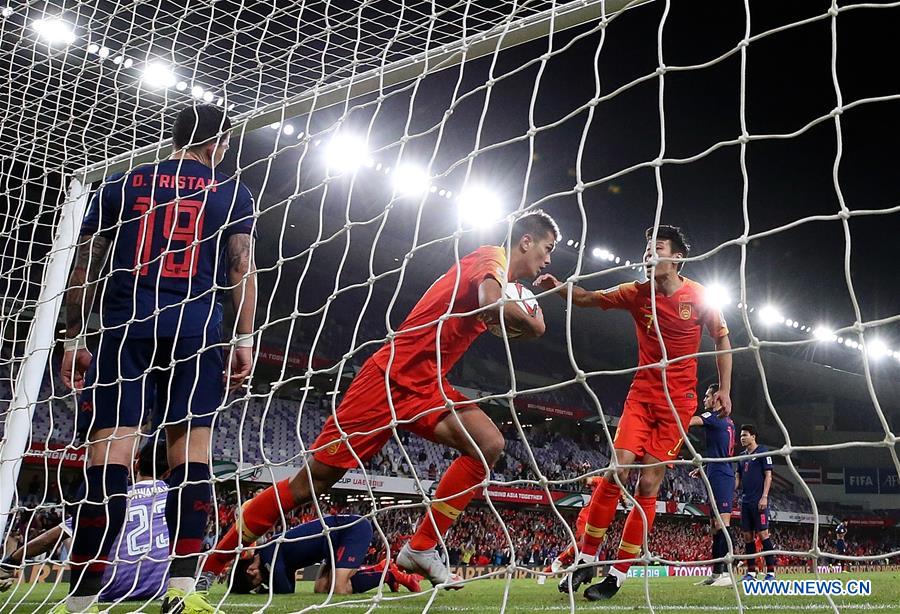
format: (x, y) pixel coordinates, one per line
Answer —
(685, 310)
(333, 448)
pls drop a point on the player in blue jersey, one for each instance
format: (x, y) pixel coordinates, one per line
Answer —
(720, 431)
(755, 475)
(178, 232)
(275, 564)
(142, 548)
(840, 541)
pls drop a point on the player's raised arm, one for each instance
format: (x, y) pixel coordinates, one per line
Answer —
(242, 279)
(490, 292)
(619, 297)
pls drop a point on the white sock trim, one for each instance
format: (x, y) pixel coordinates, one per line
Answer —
(618, 575)
(81, 603)
(185, 585)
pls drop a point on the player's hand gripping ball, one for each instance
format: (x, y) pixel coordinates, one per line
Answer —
(524, 300)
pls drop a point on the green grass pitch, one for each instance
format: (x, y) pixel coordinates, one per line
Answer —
(667, 595)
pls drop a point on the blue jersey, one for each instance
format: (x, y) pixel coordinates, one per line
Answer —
(305, 545)
(719, 442)
(841, 530)
(169, 224)
(753, 474)
(140, 553)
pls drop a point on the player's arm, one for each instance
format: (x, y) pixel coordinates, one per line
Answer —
(767, 482)
(696, 421)
(90, 258)
(242, 279)
(489, 295)
(580, 296)
(42, 544)
(723, 365)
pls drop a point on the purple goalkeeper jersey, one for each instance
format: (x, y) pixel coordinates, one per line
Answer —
(142, 549)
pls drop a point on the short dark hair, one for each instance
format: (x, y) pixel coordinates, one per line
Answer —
(674, 235)
(240, 583)
(153, 451)
(536, 223)
(198, 125)
(714, 387)
(749, 428)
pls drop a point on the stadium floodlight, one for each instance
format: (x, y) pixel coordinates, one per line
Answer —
(103, 52)
(824, 333)
(181, 86)
(877, 349)
(717, 296)
(478, 207)
(54, 31)
(569, 242)
(288, 128)
(769, 315)
(345, 153)
(197, 92)
(208, 96)
(93, 48)
(158, 75)
(7, 11)
(410, 180)
(128, 63)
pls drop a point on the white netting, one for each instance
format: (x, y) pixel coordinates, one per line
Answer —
(385, 140)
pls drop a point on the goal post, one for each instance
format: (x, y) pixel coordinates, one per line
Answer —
(40, 341)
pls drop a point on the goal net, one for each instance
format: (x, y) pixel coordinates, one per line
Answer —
(382, 142)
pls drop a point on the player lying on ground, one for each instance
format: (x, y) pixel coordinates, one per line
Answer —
(275, 564)
(648, 431)
(719, 428)
(172, 228)
(417, 388)
(142, 548)
(755, 475)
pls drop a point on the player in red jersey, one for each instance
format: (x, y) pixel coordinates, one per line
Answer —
(648, 432)
(408, 369)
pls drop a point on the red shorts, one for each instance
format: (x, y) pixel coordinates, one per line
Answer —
(365, 415)
(651, 430)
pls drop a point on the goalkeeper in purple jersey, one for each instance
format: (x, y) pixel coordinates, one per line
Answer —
(720, 438)
(177, 232)
(142, 548)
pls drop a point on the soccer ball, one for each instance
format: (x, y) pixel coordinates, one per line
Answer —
(524, 300)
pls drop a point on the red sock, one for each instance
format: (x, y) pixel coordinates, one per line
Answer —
(633, 533)
(600, 514)
(256, 517)
(462, 474)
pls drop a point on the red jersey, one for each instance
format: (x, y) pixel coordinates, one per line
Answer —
(415, 353)
(682, 317)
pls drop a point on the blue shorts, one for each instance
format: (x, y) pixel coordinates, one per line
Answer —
(752, 519)
(841, 546)
(723, 491)
(151, 389)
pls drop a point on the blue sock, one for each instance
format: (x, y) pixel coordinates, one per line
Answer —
(750, 548)
(187, 511)
(96, 526)
(719, 549)
(770, 558)
(363, 581)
